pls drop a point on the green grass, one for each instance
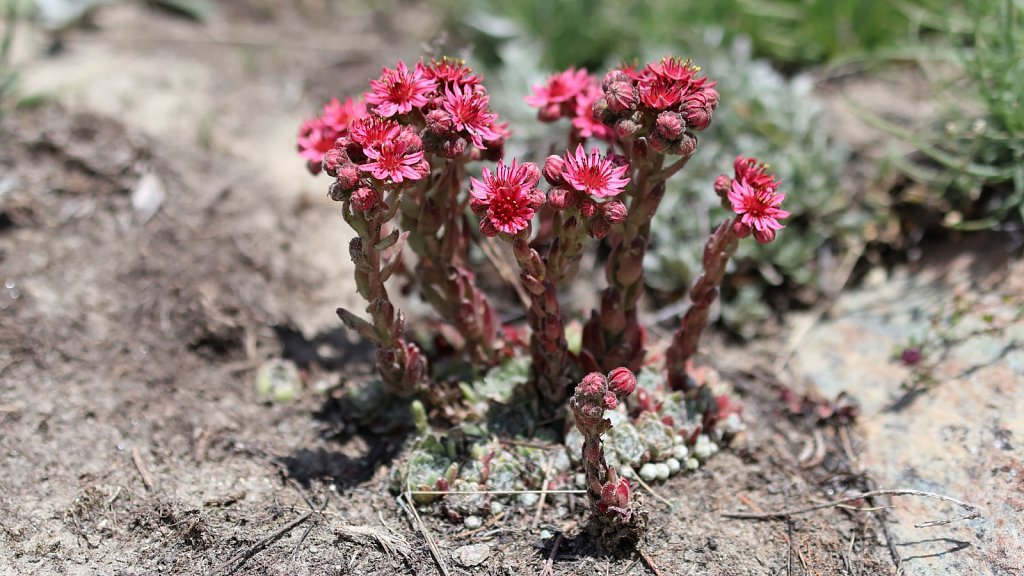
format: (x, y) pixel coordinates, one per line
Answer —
(792, 33)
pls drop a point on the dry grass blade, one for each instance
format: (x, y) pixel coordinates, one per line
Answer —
(973, 511)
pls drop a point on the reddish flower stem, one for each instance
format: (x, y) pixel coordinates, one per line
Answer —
(719, 248)
(400, 363)
(549, 349)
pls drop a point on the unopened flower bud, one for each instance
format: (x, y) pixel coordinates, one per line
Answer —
(560, 198)
(612, 77)
(533, 173)
(478, 206)
(740, 229)
(588, 207)
(336, 192)
(553, 170)
(723, 184)
(593, 384)
(487, 228)
(618, 160)
(535, 198)
(439, 122)
(670, 125)
(411, 138)
(620, 96)
(764, 236)
(364, 199)
(686, 145)
(614, 211)
(598, 228)
(660, 144)
(610, 401)
(626, 127)
(347, 176)
(622, 382)
(454, 147)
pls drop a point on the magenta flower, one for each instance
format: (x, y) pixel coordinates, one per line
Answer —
(469, 113)
(584, 122)
(451, 72)
(754, 173)
(757, 209)
(400, 90)
(315, 139)
(506, 199)
(560, 88)
(372, 131)
(673, 68)
(339, 116)
(596, 176)
(661, 92)
(395, 159)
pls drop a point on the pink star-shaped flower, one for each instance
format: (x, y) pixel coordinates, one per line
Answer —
(400, 90)
(596, 176)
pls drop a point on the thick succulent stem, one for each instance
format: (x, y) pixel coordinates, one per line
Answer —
(549, 349)
(719, 248)
(400, 363)
(613, 335)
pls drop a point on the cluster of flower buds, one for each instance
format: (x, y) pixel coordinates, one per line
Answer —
(665, 102)
(609, 494)
(571, 94)
(752, 194)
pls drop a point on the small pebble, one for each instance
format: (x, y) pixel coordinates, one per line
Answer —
(497, 507)
(472, 522)
(528, 499)
(472, 554)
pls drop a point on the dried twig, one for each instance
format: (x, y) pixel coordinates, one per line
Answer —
(549, 566)
(411, 509)
(505, 270)
(434, 550)
(502, 492)
(660, 498)
(140, 465)
(648, 561)
(239, 559)
(973, 511)
(544, 490)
